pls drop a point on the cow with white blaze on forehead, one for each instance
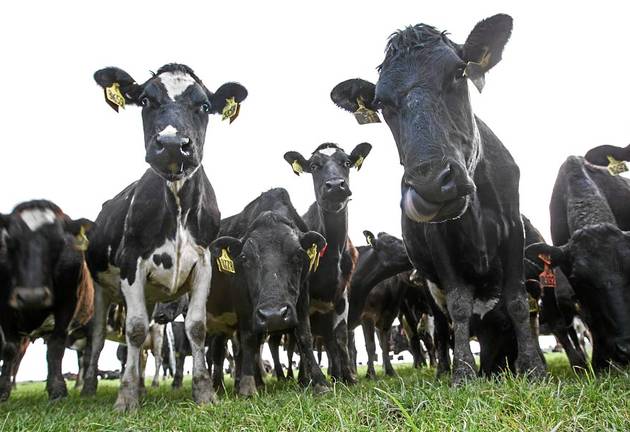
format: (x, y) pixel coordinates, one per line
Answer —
(330, 166)
(152, 242)
(461, 222)
(48, 289)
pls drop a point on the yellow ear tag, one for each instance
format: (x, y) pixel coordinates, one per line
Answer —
(616, 167)
(113, 95)
(313, 258)
(81, 241)
(359, 162)
(368, 239)
(230, 110)
(297, 168)
(225, 263)
(365, 115)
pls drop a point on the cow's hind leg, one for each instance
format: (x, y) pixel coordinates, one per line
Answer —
(383, 337)
(218, 357)
(370, 347)
(274, 347)
(95, 342)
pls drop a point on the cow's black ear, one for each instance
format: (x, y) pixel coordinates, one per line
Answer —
(227, 100)
(601, 155)
(484, 47)
(4, 221)
(76, 226)
(347, 94)
(119, 87)
(556, 254)
(370, 238)
(231, 245)
(359, 154)
(533, 288)
(311, 238)
(297, 162)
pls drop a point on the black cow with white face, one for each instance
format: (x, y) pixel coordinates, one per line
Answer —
(153, 239)
(590, 220)
(460, 205)
(330, 166)
(265, 288)
(48, 289)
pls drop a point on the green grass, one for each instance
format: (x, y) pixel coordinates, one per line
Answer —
(412, 401)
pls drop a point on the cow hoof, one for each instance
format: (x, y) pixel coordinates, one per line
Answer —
(126, 402)
(534, 368)
(349, 379)
(176, 384)
(320, 389)
(462, 376)
(4, 394)
(247, 386)
(370, 374)
(89, 389)
(155, 384)
(57, 392)
(202, 391)
(390, 372)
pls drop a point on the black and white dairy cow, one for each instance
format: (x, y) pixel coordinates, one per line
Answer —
(590, 224)
(460, 204)
(153, 240)
(330, 166)
(265, 256)
(47, 289)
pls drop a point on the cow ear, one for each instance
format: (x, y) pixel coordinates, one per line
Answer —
(118, 86)
(227, 100)
(605, 154)
(79, 229)
(370, 239)
(484, 47)
(297, 162)
(4, 221)
(224, 250)
(356, 96)
(532, 286)
(311, 238)
(359, 154)
(556, 254)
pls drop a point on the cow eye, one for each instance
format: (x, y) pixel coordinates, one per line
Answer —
(314, 167)
(459, 72)
(205, 107)
(145, 102)
(347, 164)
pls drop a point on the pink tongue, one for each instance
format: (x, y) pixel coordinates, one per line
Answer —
(417, 208)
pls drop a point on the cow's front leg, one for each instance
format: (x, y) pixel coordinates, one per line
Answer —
(136, 329)
(8, 353)
(383, 338)
(304, 340)
(528, 360)
(95, 341)
(202, 390)
(340, 332)
(55, 384)
(249, 362)
(368, 336)
(459, 300)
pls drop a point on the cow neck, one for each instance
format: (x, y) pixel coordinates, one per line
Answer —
(334, 228)
(185, 196)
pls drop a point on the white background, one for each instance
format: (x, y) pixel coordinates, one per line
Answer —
(561, 89)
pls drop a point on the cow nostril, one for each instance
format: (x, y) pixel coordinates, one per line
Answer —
(186, 147)
(159, 146)
(284, 313)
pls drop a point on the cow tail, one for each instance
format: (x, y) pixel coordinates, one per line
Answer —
(85, 296)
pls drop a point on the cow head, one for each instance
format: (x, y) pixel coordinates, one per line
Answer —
(270, 262)
(175, 109)
(164, 313)
(422, 92)
(330, 167)
(36, 236)
(390, 250)
(597, 262)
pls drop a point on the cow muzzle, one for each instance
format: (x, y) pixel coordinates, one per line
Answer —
(31, 298)
(274, 319)
(172, 156)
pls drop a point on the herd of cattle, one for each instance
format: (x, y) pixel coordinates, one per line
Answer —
(468, 258)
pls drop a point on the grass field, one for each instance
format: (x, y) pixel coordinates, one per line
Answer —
(412, 401)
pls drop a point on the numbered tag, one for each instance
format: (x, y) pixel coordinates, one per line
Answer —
(547, 278)
(313, 258)
(297, 168)
(81, 241)
(365, 115)
(616, 167)
(225, 263)
(114, 97)
(230, 110)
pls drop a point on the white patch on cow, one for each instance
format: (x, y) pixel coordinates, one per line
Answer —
(438, 295)
(329, 151)
(79, 344)
(176, 83)
(482, 307)
(168, 131)
(170, 339)
(36, 218)
(343, 316)
(179, 318)
(320, 306)
(224, 323)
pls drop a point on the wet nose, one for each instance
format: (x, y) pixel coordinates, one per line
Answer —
(434, 181)
(31, 298)
(336, 184)
(273, 319)
(173, 144)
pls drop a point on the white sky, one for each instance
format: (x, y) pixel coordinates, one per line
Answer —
(560, 89)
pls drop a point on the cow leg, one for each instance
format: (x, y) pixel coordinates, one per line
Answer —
(156, 350)
(260, 372)
(459, 300)
(202, 390)
(410, 327)
(383, 337)
(179, 370)
(575, 356)
(442, 339)
(249, 362)
(304, 340)
(9, 354)
(578, 344)
(144, 354)
(82, 363)
(370, 347)
(340, 332)
(352, 351)
(427, 340)
(55, 384)
(218, 357)
(290, 346)
(274, 347)
(95, 341)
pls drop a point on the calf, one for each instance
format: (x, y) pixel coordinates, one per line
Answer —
(330, 168)
(589, 222)
(264, 257)
(153, 241)
(461, 222)
(49, 285)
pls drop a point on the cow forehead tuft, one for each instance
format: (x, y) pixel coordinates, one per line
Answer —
(36, 218)
(176, 82)
(328, 151)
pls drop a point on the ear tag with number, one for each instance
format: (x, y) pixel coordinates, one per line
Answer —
(114, 97)
(297, 168)
(230, 110)
(81, 241)
(533, 304)
(313, 258)
(364, 115)
(225, 263)
(547, 278)
(359, 163)
(616, 167)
